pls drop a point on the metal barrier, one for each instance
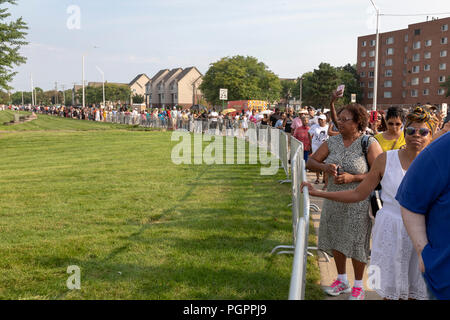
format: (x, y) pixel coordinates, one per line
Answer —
(284, 155)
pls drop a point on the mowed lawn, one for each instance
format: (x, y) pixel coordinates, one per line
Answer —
(109, 200)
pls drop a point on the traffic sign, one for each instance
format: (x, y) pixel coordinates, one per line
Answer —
(223, 94)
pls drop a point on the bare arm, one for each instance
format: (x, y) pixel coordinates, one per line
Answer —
(443, 131)
(416, 228)
(315, 161)
(333, 109)
(372, 154)
(361, 192)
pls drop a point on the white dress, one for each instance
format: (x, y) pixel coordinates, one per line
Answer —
(392, 249)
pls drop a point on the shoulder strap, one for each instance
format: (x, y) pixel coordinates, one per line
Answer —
(365, 146)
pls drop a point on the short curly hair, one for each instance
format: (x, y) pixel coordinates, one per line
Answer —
(359, 114)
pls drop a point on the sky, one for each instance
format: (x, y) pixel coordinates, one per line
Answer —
(124, 38)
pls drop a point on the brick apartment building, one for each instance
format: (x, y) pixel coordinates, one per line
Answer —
(412, 65)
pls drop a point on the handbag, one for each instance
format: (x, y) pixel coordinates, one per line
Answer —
(375, 198)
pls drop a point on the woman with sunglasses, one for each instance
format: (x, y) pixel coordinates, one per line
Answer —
(393, 138)
(392, 249)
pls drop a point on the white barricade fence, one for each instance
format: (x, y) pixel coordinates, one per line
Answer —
(283, 155)
(298, 276)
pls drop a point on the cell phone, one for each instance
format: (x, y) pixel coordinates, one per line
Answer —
(444, 108)
(339, 170)
(341, 88)
(373, 116)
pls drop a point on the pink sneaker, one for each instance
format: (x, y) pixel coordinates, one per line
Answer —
(357, 294)
(337, 288)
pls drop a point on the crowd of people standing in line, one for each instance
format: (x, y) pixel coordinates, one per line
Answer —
(407, 158)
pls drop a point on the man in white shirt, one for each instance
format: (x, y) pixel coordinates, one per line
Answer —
(318, 134)
(213, 120)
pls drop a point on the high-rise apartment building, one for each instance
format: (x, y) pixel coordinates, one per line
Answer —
(412, 65)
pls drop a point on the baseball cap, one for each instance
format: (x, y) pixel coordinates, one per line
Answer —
(323, 117)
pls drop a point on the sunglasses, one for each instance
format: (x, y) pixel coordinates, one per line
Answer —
(422, 131)
(398, 124)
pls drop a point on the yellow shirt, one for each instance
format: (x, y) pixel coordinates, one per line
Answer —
(387, 145)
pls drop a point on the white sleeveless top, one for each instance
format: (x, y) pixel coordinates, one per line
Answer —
(392, 178)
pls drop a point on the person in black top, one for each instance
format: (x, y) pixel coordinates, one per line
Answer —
(275, 117)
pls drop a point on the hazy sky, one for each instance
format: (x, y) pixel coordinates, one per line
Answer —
(143, 36)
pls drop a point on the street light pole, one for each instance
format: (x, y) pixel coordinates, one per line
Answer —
(301, 92)
(375, 90)
(82, 80)
(103, 78)
(32, 91)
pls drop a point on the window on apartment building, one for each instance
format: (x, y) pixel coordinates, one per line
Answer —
(363, 54)
(444, 40)
(426, 92)
(372, 53)
(427, 67)
(441, 91)
(387, 94)
(443, 53)
(442, 66)
(403, 83)
(406, 38)
(417, 32)
(406, 49)
(404, 94)
(362, 74)
(371, 64)
(364, 43)
(415, 69)
(427, 55)
(427, 43)
(390, 40)
(390, 51)
(389, 62)
(361, 84)
(414, 93)
(363, 64)
(372, 43)
(405, 61)
(416, 45)
(370, 85)
(388, 73)
(426, 80)
(388, 84)
(370, 95)
(371, 74)
(415, 81)
(441, 78)
(416, 57)
(444, 27)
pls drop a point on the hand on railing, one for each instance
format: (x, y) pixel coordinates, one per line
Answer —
(312, 192)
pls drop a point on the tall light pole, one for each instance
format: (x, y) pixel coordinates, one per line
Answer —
(32, 90)
(103, 78)
(82, 80)
(375, 89)
(301, 92)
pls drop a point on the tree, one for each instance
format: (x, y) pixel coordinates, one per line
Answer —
(113, 92)
(138, 98)
(4, 97)
(320, 85)
(12, 35)
(288, 87)
(349, 76)
(244, 77)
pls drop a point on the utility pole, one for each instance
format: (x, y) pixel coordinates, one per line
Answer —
(32, 91)
(82, 76)
(64, 96)
(301, 92)
(56, 93)
(375, 89)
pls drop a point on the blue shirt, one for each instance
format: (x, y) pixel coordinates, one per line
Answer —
(425, 189)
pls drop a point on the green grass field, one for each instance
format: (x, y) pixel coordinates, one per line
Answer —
(108, 199)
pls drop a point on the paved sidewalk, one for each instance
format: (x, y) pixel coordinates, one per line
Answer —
(328, 270)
